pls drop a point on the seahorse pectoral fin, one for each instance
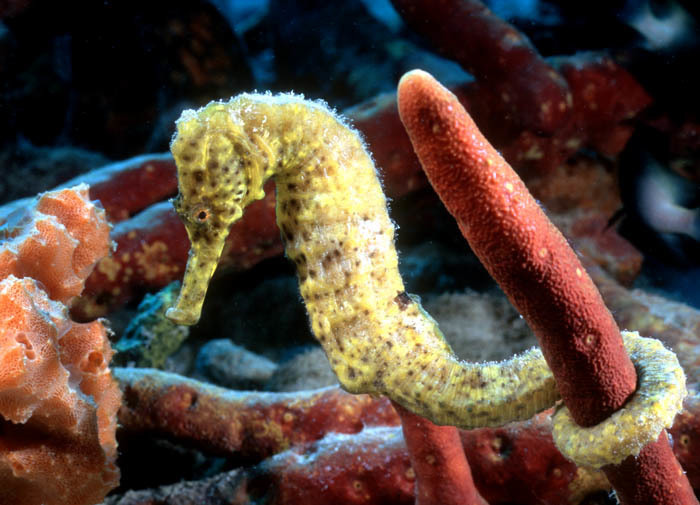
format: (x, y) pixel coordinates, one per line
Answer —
(201, 264)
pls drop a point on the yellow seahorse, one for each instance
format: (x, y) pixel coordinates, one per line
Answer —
(333, 218)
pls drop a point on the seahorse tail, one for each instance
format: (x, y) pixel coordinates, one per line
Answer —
(659, 396)
(403, 354)
(434, 383)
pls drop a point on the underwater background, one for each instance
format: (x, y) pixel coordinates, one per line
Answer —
(90, 91)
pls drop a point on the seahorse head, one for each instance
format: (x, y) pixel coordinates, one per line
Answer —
(221, 163)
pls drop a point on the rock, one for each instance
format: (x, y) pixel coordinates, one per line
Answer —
(307, 370)
(227, 364)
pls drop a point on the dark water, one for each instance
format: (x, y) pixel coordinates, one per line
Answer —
(86, 82)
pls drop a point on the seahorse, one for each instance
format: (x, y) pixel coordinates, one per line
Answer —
(332, 214)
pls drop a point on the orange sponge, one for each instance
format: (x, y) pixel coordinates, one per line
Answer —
(57, 241)
(58, 400)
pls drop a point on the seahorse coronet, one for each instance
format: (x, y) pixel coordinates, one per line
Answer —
(332, 214)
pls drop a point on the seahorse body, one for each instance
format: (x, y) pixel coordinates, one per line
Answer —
(334, 222)
(333, 217)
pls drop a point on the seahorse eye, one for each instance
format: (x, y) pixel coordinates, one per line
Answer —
(201, 214)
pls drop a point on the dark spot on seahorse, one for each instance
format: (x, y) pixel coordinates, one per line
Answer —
(312, 273)
(403, 300)
(326, 261)
(212, 164)
(291, 186)
(197, 174)
(351, 372)
(239, 150)
(287, 233)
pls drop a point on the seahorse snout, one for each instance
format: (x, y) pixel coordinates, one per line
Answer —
(201, 263)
